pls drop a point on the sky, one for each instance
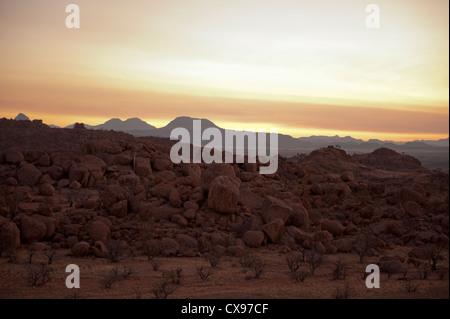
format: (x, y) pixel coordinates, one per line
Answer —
(303, 67)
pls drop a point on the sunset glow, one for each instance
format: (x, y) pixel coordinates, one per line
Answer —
(305, 67)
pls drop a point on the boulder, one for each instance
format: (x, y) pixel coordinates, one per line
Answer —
(333, 226)
(298, 235)
(55, 172)
(316, 189)
(223, 194)
(187, 242)
(50, 224)
(392, 266)
(99, 231)
(299, 217)
(11, 181)
(47, 189)
(119, 209)
(253, 238)
(249, 199)
(323, 236)
(274, 229)
(347, 176)
(215, 170)
(142, 167)
(28, 174)
(164, 212)
(169, 247)
(13, 156)
(87, 171)
(162, 162)
(99, 249)
(32, 230)
(179, 220)
(80, 249)
(10, 236)
(274, 208)
(44, 160)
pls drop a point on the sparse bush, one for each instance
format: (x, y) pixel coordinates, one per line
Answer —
(115, 275)
(442, 273)
(152, 248)
(362, 245)
(343, 293)
(247, 259)
(410, 286)
(110, 278)
(31, 252)
(299, 275)
(202, 273)
(50, 254)
(257, 269)
(423, 271)
(117, 250)
(11, 254)
(293, 261)
(173, 275)
(314, 259)
(38, 275)
(127, 272)
(214, 259)
(340, 271)
(163, 290)
(156, 263)
(433, 254)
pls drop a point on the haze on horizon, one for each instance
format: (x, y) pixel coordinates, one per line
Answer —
(305, 67)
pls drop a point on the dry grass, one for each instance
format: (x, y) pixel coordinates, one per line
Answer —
(226, 281)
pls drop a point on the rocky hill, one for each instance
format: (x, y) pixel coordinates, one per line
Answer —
(387, 159)
(87, 190)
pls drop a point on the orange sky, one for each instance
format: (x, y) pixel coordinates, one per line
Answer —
(304, 67)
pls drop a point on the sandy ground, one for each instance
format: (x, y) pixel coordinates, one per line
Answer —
(227, 280)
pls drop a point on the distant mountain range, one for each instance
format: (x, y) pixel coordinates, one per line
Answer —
(288, 145)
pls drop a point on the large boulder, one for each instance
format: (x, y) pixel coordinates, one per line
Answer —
(55, 172)
(274, 229)
(47, 189)
(253, 238)
(28, 174)
(142, 166)
(249, 199)
(80, 249)
(333, 226)
(299, 217)
(224, 194)
(13, 156)
(119, 209)
(10, 236)
(162, 162)
(99, 231)
(299, 236)
(32, 230)
(50, 225)
(88, 170)
(215, 170)
(274, 208)
(169, 247)
(113, 194)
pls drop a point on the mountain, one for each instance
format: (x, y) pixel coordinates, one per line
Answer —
(432, 154)
(133, 126)
(185, 122)
(440, 143)
(22, 117)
